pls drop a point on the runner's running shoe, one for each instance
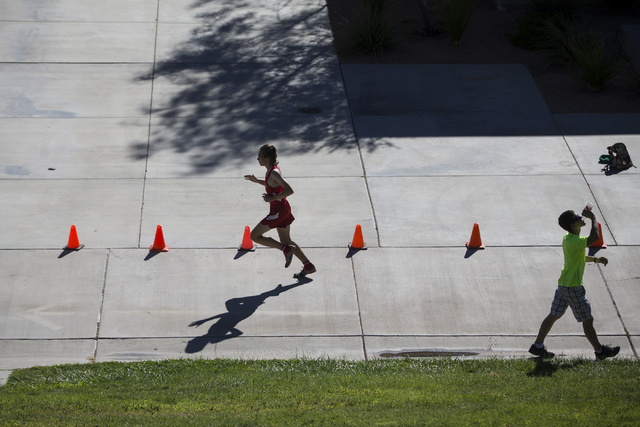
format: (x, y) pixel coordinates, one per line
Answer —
(288, 256)
(305, 271)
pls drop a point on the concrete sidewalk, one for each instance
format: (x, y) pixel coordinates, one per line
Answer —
(119, 118)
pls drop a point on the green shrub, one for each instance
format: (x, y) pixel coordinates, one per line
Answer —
(594, 63)
(539, 13)
(368, 29)
(559, 35)
(588, 55)
(456, 15)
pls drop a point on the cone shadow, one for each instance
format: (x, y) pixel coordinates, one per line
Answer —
(353, 251)
(471, 251)
(150, 255)
(65, 252)
(241, 253)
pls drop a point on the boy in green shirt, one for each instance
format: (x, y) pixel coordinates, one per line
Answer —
(570, 291)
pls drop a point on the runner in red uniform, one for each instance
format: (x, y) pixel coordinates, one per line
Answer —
(280, 217)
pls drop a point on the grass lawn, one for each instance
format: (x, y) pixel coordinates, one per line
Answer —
(439, 392)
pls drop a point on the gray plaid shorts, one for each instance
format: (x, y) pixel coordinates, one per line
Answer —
(576, 298)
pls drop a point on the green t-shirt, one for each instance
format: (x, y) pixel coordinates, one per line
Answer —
(573, 248)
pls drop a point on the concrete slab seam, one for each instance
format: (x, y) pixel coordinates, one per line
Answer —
(613, 301)
(355, 286)
(364, 170)
(146, 164)
(74, 63)
(46, 339)
(104, 285)
(234, 247)
(564, 138)
(575, 335)
(191, 337)
(531, 335)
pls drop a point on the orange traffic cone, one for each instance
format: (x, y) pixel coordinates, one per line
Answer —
(247, 243)
(600, 243)
(475, 242)
(158, 244)
(358, 241)
(74, 243)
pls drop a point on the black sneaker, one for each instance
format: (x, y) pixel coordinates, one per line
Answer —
(541, 352)
(607, 352)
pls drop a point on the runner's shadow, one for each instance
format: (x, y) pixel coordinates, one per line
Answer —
(239, 309)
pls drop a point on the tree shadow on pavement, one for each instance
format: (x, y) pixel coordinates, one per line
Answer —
(239, 309)
(242, 74)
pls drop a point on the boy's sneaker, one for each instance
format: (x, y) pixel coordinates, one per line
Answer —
(607, 352)
(305, 271)
(541, 352)
(288, 256)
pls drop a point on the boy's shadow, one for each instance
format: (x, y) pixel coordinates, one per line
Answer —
(548, 367)
(238, 310)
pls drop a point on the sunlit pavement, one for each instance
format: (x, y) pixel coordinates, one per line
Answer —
(120, 116)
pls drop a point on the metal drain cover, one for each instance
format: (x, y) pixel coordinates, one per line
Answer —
(429, 353)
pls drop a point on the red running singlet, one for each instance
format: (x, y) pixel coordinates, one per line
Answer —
(280, 215)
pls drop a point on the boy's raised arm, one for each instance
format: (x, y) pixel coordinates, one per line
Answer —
(594, 235)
